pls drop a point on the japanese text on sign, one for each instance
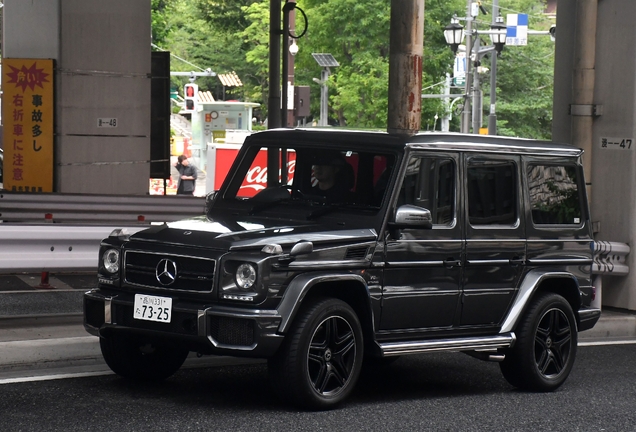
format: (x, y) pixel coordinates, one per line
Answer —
(28, 124)
(616, 143)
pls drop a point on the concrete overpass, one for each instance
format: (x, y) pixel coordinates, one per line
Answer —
(103, 68)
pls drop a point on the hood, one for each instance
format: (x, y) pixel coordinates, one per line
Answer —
(247, 234)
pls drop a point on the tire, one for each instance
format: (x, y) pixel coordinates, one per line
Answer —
(135, 358)
(545, 350)
(320, 360)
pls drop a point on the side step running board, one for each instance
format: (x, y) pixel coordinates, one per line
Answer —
(504, 340)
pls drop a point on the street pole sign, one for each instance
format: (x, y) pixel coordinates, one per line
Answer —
(459, 70)
(517, 29)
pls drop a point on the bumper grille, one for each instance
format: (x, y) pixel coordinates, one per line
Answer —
(232, 331)
(184, 273)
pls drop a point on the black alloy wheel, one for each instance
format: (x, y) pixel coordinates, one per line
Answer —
(544, 353)
(320, 360)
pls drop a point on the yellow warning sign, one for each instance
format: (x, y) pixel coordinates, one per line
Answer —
(28, 115)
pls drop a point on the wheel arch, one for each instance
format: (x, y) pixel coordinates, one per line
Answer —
(562, 283)
(350, 288)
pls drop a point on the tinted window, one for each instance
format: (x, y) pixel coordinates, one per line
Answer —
(430, 183)
(492, 194)
(554, 194)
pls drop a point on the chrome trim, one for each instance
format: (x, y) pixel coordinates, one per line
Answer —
(488, 262)
(528, 287)
(201, 323)
(168, 288)
(414, 263)
(543, 261)
(107, 311)
(462, 344)
(590, 313)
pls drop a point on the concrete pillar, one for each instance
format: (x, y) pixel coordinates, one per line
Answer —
(613, 80)
(405, 66)
(102, 54)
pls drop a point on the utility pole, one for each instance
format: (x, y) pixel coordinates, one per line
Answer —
(492, 117)
(466, 113)
(477, 93)
(405, 66)
(273, 101)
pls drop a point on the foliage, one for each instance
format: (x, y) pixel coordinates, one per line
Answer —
(233, 35)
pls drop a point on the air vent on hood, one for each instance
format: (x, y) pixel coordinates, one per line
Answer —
(356, 253)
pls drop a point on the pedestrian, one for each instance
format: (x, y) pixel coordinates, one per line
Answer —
(187, 176)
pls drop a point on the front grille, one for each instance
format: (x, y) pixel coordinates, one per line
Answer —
(192, 274)
(359, 252)
(232, 331)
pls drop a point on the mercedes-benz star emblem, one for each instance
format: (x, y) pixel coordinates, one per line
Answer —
(166, 272)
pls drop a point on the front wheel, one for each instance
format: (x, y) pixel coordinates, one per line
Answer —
(544, 353)
(135, 358)
(321, 357)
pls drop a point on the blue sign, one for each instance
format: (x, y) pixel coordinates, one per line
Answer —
(517, 29)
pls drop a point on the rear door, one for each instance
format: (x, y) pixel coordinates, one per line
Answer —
(495, 238)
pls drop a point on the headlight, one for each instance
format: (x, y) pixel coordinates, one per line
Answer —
(110, 259)
(245, 276)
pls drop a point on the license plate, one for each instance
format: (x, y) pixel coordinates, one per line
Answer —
(152, 308)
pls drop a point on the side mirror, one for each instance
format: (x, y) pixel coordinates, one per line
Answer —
(413, 216)
(209, 200)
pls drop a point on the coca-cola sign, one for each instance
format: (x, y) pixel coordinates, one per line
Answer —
(256, 178)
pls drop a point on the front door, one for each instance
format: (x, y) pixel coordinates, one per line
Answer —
(423, 266)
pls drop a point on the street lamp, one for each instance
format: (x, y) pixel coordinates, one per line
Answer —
(498, 34)
(454, 34)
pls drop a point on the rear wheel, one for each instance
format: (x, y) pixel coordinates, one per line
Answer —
(321, 357)
(545, 350)
(136, 358)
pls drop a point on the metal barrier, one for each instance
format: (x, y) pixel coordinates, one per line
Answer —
(105, 209)
(51, 247)
(610, 258)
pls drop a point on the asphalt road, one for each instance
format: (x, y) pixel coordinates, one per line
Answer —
(433, 392)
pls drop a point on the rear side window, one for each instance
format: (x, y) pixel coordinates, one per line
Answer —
(492, 197)
(554, 194)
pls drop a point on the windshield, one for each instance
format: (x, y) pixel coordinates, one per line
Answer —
(328, 178)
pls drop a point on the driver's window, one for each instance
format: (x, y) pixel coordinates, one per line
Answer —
(430, 183)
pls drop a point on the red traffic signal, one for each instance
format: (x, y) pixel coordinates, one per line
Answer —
(191, 92)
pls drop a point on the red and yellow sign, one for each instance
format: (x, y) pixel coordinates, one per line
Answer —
(28, 116)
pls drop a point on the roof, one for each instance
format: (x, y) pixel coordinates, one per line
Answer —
(421, 141)
(230, 79)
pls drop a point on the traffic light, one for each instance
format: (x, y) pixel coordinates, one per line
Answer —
(191, 92)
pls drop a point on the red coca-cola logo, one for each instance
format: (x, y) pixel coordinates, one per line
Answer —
(256, 177)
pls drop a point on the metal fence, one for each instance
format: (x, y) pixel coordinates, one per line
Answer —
(97, 209)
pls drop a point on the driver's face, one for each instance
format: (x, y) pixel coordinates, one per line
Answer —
(325, 172)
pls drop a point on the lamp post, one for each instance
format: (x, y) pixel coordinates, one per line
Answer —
(454, 33)
(499, 40)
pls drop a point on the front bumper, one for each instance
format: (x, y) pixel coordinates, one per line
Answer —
(208, 329)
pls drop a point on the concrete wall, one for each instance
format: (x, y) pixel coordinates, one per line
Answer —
(102, 49)
(613, 168)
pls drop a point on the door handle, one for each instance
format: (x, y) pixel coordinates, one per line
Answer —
(452, 262)
(515, 261)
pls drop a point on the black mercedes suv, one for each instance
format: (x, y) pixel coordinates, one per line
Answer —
(327, 249)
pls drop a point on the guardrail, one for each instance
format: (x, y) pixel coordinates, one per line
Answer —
(95, 209)
(51, 247)
(610, 258)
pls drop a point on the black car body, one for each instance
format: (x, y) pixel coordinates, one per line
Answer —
(439, 242)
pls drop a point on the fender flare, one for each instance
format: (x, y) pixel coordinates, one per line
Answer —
(301, 285)
(530, 284)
